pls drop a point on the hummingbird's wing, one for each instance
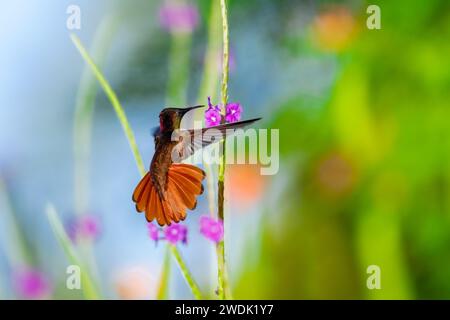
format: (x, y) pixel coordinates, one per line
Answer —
(194, 139)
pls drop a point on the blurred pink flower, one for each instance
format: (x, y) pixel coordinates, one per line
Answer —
(178, 17)
(176, 233)
(85, 227)
(153, 232)
(211, 228)
(31, 284)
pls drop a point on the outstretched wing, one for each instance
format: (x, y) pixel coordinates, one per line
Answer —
(195, 139)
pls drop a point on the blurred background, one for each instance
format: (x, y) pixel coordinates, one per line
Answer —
(364, 126)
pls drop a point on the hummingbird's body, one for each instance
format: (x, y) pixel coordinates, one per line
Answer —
(169, 188)
(161, 161)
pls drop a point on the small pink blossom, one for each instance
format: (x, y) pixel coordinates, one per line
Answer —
(211, 228)
(86, 227)
(233, 112)
(212, 114)
(31, 284)
(176, 233)
(178, 17)
(153, 232)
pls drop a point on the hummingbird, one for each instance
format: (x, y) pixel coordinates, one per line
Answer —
(170, 187)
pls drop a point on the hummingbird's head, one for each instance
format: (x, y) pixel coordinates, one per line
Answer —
(170, 118)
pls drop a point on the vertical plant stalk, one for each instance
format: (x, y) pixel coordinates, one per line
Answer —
(164, 280)
(178, 69)
(221, 262)
(82, 133)
(209, 86)
(185, 271)
(126, 128)
(13, 241)
(114, 101)
(84, 109)
(88, 286)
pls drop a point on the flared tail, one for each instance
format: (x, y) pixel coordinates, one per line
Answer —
(184, 184)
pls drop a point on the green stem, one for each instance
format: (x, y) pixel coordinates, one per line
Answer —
(82, 127)
(185, 271)
(225, 62)
(123, 120)
(114, 101)
(178, 69)
(15, 247)
(220, 250)
(87, 284)
(164, 281)
(82, 133)
(221, 262)
(209, 86)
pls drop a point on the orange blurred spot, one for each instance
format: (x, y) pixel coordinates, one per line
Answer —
(335, 174)
(334, 28)
(135, 283)
(245, 183)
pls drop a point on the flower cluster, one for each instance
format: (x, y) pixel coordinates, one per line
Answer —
(210, 228)
(213, 115)
(173, 234)
(86, 227)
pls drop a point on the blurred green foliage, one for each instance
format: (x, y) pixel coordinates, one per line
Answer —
(385, 130)
(364, 161)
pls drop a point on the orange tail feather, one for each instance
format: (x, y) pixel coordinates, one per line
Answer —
(184, 184)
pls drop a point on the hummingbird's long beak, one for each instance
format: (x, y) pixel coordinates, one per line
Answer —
(192, 108)
(186, 110)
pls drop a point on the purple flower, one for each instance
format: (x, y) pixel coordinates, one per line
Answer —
(176, 233)
(86, 227)
(211, 228)
(233, 112)
(89, 226)
(31, 284)
(212, 114)
(153, 232)
(210, 105)
(212, 117)
(178, 17)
